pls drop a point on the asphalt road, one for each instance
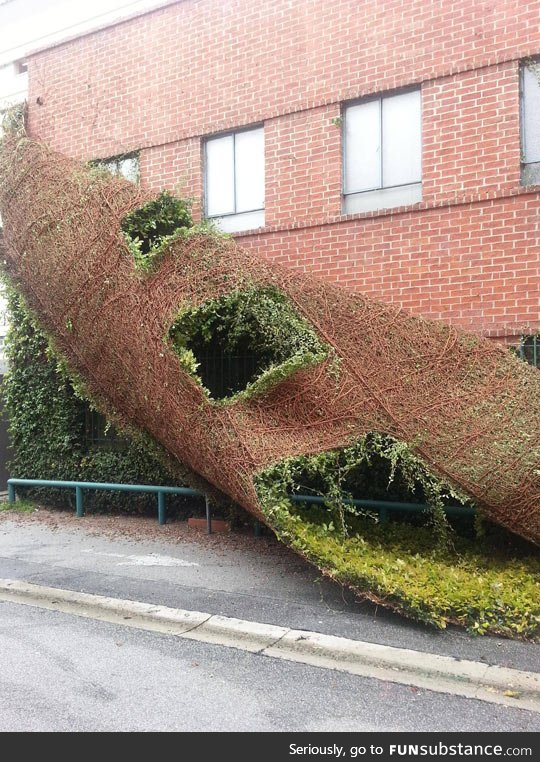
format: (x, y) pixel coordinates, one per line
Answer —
(61, 673)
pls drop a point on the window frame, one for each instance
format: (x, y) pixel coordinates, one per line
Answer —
(380, 97)
(229, 133)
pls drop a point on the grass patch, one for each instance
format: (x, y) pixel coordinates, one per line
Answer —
(19, 506)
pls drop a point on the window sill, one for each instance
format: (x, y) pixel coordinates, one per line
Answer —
(311, 222)
(382, 199)
(240, 223)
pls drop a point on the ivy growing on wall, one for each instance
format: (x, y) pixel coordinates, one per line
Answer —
(47, 427)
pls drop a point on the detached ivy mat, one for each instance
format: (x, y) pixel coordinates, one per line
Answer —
(473, 583)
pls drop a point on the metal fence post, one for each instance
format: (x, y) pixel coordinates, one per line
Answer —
(11, 493)
(208, 515)
(162, 514)
(79, 502)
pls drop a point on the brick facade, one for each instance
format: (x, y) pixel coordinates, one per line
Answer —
(158, 83)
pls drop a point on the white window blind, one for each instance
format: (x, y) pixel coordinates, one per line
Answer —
(220, 176)
(530, 124)
(383, 152)
(234, 180)
(363, 170)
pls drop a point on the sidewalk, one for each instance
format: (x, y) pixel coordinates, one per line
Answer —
(255, 580)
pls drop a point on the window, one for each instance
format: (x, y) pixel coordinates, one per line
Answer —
(234, 180)
(529, 350)
(382, 153)
(530, 124)
(98, 433)
(126, 165)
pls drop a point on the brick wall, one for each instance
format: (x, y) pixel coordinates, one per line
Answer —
(468, 253)
(473, 264)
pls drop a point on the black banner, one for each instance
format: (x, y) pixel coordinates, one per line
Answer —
(318, 747)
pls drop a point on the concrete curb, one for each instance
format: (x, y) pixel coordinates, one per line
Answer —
(144, 616)
(444, 674)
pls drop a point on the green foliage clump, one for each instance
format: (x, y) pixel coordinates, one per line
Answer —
(257, 325)
(476, 586)
(482, 583)
(375, 467)
(46, 419)
(13, 120)
(150, 228)
(47, 428)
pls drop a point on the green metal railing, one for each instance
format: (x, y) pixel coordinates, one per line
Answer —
(79, 487)
(382, 507)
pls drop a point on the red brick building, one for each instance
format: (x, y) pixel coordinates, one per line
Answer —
(391, 146)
